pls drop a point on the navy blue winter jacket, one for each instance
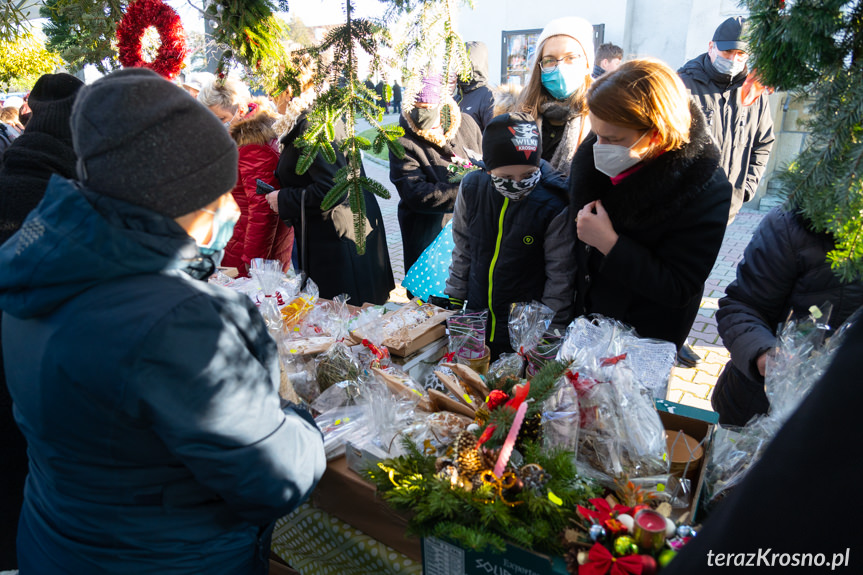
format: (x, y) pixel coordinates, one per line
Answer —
(149, 400)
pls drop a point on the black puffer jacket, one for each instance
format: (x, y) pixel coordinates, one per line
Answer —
(744, 134)
(475, 98)
(422, 180)
(332, 259)
(784, 270)
(671, 216)
(522, 248)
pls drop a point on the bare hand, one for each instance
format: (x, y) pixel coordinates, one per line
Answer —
(595, 229)
(761, 362)
(273, 200)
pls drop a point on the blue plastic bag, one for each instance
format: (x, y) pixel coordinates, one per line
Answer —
(428, 275)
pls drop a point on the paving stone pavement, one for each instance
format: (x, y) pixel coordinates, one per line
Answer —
(694, 386)
(691, 386)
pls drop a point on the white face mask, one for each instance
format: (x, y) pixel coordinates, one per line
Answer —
(725, 66)
(611, 159)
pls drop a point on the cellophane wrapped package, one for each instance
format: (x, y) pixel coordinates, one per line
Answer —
(650, 360)
(802, 354)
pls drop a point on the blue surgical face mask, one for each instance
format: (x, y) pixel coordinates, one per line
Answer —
(224, 219)
(563, 80)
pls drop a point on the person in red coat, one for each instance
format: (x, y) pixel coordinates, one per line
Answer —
(259, 233)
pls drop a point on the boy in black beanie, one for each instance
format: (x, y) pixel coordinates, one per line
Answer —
(512, 241)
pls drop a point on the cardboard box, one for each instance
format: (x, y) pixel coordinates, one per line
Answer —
(698, 424)
(346, 495)
(445, 558)
(434, 328)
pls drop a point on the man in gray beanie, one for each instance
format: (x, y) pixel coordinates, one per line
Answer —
(149, 400)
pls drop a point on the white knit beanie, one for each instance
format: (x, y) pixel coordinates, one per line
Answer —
(577, 28)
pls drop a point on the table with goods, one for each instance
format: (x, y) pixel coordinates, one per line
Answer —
(564, 457)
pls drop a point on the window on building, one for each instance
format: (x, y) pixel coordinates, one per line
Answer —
(517, 50)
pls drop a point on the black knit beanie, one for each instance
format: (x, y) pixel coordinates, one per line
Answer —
(51, 102)
(510, 140)
(144, 140)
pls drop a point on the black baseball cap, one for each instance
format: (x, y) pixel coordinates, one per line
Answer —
(728, 35)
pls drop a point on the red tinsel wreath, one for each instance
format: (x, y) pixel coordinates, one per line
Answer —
(138, 17)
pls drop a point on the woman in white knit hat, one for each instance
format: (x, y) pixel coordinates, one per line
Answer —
(555, 93)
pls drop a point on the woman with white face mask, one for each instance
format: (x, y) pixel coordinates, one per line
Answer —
(559, 80)
(649, 200)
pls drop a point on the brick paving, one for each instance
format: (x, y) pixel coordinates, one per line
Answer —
(691, 386)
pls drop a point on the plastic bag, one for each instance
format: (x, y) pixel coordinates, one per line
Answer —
(294, 312)
(799, 361)
(544, 352)
(527, 323)
(336, 365)
(650, 360)
(620, 431)
(340, 424)
(560, 418)
(427, 276)
(268, 274)
(466, 331)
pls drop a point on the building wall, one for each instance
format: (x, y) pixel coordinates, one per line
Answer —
(672, 30)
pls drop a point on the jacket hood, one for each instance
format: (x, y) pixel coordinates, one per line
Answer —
(657, 191)
(447, 103)
(255, 129)
(478, 53)
(701, 70)
(76, 239)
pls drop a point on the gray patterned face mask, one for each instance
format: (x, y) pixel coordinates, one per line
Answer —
(516, 190)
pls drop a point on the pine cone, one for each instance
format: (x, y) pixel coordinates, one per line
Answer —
(468, 458)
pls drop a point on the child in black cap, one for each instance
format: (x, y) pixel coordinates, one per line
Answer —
(512, 241)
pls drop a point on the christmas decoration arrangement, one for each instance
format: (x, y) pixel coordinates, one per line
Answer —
(625, 533)
(140, 15)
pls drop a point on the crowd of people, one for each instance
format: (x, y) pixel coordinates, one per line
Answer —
(146, 415)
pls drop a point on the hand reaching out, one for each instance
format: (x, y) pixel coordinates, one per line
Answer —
(273, 200)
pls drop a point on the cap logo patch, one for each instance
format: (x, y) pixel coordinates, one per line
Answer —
(526, 138)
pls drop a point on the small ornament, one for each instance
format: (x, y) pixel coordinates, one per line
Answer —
(648, 565)
(473, 428)
(684, 531)
(534, 476)
(625, 545)
(666, 556)
(597, 532)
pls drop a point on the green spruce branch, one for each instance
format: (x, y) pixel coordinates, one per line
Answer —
(815, 48)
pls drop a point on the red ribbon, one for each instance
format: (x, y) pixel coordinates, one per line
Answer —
(521, 392)
(600, 561)
(486, 435)
(603, 511)
(612, 360)
(379, 353)
(278, 297)
(449, 357)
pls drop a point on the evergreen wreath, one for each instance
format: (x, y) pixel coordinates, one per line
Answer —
(141, 15)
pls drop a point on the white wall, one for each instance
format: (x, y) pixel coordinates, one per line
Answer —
(672, 30)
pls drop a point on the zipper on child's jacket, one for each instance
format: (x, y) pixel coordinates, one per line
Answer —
(491, 267)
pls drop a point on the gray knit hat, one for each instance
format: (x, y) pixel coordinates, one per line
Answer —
(144, 140)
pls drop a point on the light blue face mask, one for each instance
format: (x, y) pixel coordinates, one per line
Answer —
(563, 81)
(224, 220)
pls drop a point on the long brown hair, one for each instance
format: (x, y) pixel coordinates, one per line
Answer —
(534, 96)
(644, 94)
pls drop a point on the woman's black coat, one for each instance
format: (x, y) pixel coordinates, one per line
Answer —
(332, 259)
(784, 270)
(670, 215)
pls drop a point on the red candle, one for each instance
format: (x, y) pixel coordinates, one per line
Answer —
(649, 530)
(650, 520)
